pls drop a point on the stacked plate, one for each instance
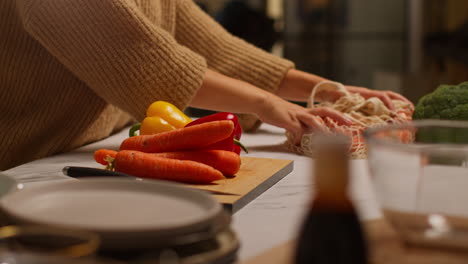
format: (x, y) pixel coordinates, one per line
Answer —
(7, 185)
(145, 217)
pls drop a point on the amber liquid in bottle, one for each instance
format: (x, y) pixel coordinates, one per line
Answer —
(331, 232)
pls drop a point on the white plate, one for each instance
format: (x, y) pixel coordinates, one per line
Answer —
(128, 214)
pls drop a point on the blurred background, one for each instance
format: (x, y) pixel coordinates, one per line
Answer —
(408, 46)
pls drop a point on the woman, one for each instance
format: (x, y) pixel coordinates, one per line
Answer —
(74, 71)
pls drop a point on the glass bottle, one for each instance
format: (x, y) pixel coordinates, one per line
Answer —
(331, 232)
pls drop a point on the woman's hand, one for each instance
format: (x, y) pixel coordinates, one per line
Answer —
(385, 96)
(296, 119)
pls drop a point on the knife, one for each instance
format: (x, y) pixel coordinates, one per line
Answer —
(85, 172)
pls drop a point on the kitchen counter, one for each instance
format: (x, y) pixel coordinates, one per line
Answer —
(271, 219)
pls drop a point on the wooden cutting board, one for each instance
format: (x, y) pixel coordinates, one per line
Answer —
(255, 176)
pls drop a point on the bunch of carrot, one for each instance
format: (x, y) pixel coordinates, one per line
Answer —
(176, 155)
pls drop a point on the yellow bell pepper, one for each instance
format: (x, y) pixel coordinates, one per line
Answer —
(154, 124)
(161, 116)
(169, 113)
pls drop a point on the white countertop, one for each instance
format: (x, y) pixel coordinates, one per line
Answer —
(269, 220)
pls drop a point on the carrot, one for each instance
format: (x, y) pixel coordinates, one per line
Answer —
(104, 156)
(225, 161)
(186, 138)
(146, 165)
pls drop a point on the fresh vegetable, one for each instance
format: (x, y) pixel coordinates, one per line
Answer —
(104, 156)
(231, 143)
(147, 165)
(225, 161)
(161, 116)
(446, 102)
(187, 138)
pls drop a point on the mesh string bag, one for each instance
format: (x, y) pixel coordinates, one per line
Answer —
(363, 112)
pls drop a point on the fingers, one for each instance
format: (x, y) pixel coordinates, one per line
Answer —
(310, 122)
(306, 122)
(332, 113)
(382, 95)
(385, 96)
(295, 135)
(387, 101)
(397, 96)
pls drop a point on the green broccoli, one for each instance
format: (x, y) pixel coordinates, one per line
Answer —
(446, 102)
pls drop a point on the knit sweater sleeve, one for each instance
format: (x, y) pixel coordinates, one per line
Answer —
(112, 47)
(226, 53)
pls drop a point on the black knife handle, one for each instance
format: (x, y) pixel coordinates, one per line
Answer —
(80, 172)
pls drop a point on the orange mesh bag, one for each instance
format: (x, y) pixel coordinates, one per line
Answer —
(363, 112)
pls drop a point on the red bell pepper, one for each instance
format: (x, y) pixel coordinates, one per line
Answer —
(231, 143)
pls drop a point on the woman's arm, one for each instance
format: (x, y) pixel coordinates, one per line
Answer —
(225, 53)
(298, 85)
(222, 93)
(237, 59)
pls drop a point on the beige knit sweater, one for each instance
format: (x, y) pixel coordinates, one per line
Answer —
(75, 71)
